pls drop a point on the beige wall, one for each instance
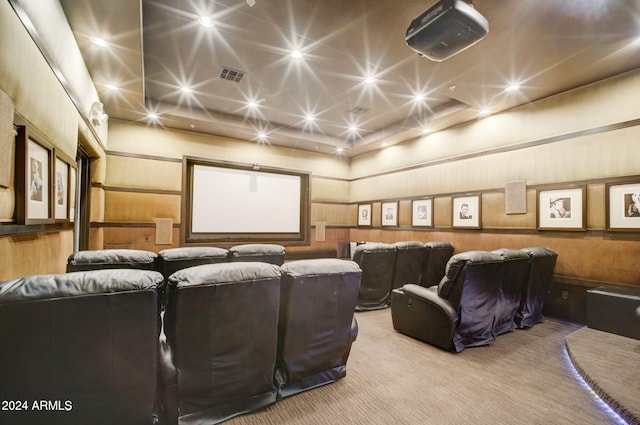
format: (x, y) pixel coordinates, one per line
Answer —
(143, 182)
(42, 103)
(548, 142)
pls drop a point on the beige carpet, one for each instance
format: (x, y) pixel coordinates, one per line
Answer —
(524, 377)
(611, 365)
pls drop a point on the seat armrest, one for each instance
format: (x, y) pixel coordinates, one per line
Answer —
(354, 329)
(430, 296)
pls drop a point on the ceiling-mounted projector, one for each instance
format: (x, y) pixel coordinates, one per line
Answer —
(447, 28)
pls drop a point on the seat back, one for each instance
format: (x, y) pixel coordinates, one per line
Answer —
(511, 280)
(436, 256)
(220, 326)
(85, 340)
(111, 259)
(266, 253)
(171, 260)
(469, 285)
(542, 261)
(317, 303)
(409, 258)
(377, 261)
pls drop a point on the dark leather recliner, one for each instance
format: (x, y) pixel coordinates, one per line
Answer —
(459, 312)
(542, 262)
(377, 261)
(317, 324)
(512, 278)
(219, 342)
(111, 259)
(262, 252)
(409, 258)
(86, 342)
(436, 256)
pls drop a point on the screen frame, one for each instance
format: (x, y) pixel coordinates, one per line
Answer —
(189, 237)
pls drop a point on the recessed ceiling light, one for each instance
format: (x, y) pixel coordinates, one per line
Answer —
(339, 150)
(262, 136)
(370, 80)
(512, 87)
(309, 118)
(112, 87)
(426, 130)
(384, 144)
(353, 128)
(484, 112)
(153, 116)
(419, 97)
(186, 89)
(252, 104)
(296, 54)
(99, 41)
(205, 21)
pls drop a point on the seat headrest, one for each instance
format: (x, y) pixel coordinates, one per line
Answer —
(217, 273)
(66, 285)
(112, 256)
(320, 266)
(196, 252)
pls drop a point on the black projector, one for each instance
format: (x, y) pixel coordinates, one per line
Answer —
(447, 28)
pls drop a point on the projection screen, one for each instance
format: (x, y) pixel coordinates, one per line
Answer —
(245, 202)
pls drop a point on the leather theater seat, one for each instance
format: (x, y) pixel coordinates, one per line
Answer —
(459, 312)
(111, 259)
(262, 252)
(171, 260)
(436, 256)
(219, 342)
(317, 324)
(542, 262)
(512, 278)
(409, 258)
(86, 341)
(377, 262)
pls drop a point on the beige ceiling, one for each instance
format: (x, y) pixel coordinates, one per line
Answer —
(157, 46)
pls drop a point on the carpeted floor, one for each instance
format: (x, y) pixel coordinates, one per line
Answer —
(524, 377)
(611, 365)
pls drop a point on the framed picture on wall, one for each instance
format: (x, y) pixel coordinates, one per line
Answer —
(61, 190)
(390, 213)
(364, 214)
(562, 209)
(623, 206)
(466, 211)
(34, 171)
(422, 212)
(73, 182)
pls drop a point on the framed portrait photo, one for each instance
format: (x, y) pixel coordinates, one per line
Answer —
(34, 171)
(562, 209)
(422, 212)
(623, 206)
(364, 214)
(467, 211)
(73, 182)
(390, 213)
(61, 190)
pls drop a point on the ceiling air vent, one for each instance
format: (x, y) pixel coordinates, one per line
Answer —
(358, 110)
(231, 74)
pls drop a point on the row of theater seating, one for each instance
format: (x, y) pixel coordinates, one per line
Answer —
(235, 337)
(389, 266)
(170, 260)
(482, 295)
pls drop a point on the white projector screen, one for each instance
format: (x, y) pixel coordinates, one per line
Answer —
(227, 200)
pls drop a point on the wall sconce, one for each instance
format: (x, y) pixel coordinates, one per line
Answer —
(98, 117)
